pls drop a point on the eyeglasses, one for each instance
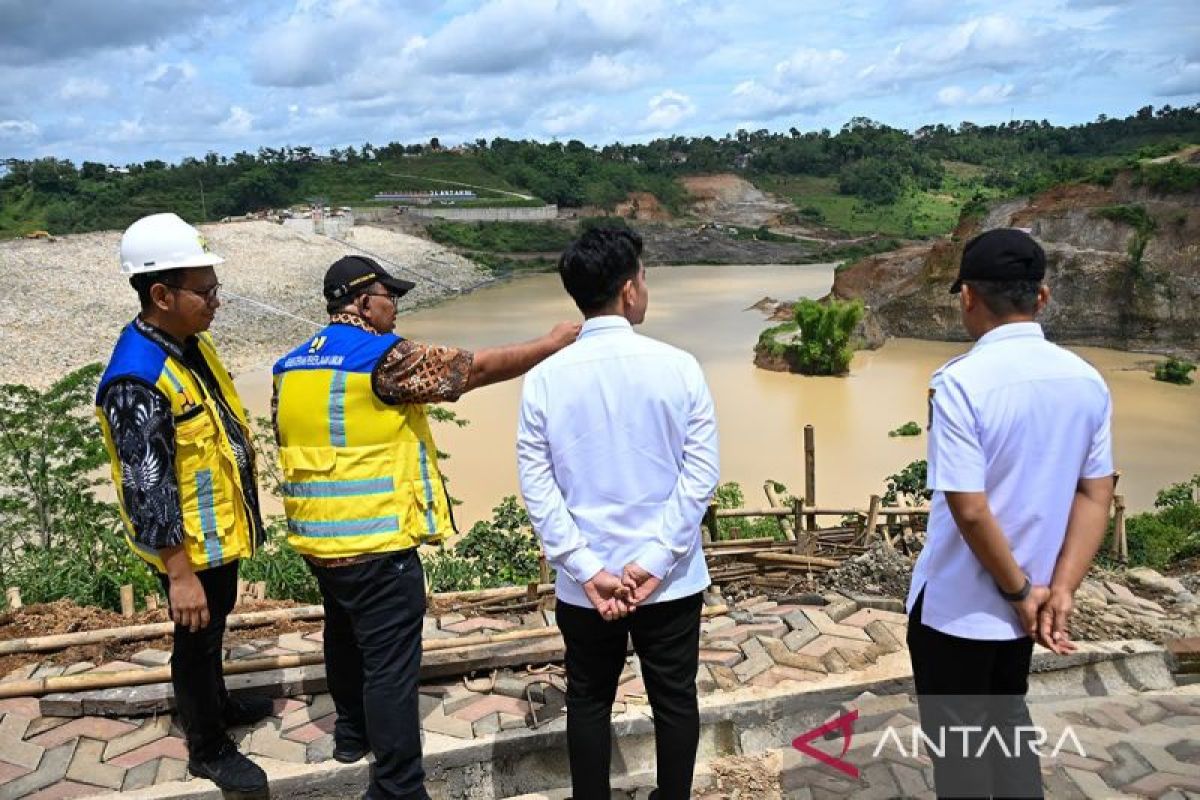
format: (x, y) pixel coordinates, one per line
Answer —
(395, 298)
(208, 295)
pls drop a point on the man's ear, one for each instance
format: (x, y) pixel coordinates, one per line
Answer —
(1043, 299)
(159, 294)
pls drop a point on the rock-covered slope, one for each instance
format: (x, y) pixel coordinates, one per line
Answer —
(1123, 265)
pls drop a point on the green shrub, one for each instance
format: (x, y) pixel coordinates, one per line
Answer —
(501, 237)
(908, 485)
(1170, 177)
(504, 551)
(730, 495)
(1169, 533)
(907, 429)
(1174, 370)
(283, 569)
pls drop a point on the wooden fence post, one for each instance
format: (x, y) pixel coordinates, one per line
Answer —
(872, 518)
(1119, 538)
(127, 600)
(13, 596)
(810, 473)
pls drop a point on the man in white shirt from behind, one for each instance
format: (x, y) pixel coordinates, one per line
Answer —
(617, 453)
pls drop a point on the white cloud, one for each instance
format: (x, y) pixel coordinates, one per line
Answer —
(565, 120)
(808, 67)
(983, 96)
(167, 76)
(84, 89)
(18, 129)
(667, 110)
(320, 42)
(238, 122)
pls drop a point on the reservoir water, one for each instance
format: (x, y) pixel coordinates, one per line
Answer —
(762, 414)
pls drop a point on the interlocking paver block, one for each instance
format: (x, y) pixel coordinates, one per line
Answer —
(168, 746)
(140, 777)
(151, 731)
(1128, 766)
(311, 731)
(27, 707)
(827, 626)
(64, 790)
(151, 657)
(86, 766)
(778, 674)
(863, 616)
(1158, 784)
(10, 772)
(51, 770)
(171, 769)
(266, 741)
(438, 722)
(91, 727)
(489, 704)
(116, 666)
(726, 678)
(752, 667)
(823, 644)
(283, 706)
(13, 749)
(296, 642)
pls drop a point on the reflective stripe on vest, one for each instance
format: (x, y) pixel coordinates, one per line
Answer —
(360, 475)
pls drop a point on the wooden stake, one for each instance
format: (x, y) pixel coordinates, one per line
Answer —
(259, 590)
(1119, 536)
(152, 602)
(793, 560)
(810, 472)
(872, 518)
(13, 595)
(786, 525)
(127, 600)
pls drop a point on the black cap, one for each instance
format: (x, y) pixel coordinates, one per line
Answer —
(1003, 254)
(351, 275)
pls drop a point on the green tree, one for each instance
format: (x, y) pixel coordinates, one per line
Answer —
(825, 332)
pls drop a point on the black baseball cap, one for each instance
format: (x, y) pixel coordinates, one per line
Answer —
(1002, 254)
(351, 275)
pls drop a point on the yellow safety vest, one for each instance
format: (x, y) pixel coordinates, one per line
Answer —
(217, 523)
(360, 476)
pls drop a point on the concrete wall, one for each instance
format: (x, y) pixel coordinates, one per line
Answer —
(515, 214)
(331, 226)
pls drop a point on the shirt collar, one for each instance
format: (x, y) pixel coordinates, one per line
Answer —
(342, 318)
(608, 322)
(1012, 330)
(163, 339)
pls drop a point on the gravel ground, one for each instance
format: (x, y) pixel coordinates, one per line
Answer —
(71, 300)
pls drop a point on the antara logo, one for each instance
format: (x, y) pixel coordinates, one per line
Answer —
(316, 344)
(844, 724)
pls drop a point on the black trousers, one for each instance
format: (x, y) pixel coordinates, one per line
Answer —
(978, 684)
(666, 637)
(373, 614)
(196, 675)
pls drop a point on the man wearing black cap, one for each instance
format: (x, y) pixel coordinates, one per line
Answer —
(362, 490)
(1020, 463)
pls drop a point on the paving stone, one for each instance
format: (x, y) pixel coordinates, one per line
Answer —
(749, 602)
(117, 666)
(240, 651)
(171, 769)
(1128, 766)
(704, 680)
(282, 706)
(21, 706)
(799, 638)
(726, 678)
(91, 727)
(63, 790)
(450, 619)
(320, 749)
(881, 633)
(1157, 784)
(777, 674)
(489, 704)
(820, 646)
(839, 607)
(715, 624)
(168, 746)
(753, 666)
(311, 731)
(151, 731)
(151, 658)
(828, 627)
(439, 722)
(780, 654)
(86, 766)
(863, 616)
(267, 742)
(752, 648)
(486, 725)
(834, 662)
(21, 673)
(140, 777)
(51, 770)
(79, 667)
(15, 751)
(295, 642)
(321, 706)
(47, 671)
(316, 636)
(635, 688)
(881, 603)
(10, 772)
(910, 781)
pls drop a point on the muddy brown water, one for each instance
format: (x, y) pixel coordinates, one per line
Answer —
(761, 414)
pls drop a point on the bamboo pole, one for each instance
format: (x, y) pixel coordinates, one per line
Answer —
(13, 596)
(127, 600)
(793, 560)
(884, 511)
(1119, 536)
(810, 472)
(785, 524)
(872, 518)
(36, 687)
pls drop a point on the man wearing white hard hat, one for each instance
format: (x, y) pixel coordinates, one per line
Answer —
(179, 443)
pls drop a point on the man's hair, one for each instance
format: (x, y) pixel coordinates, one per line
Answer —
(142, 282)
(595, 266)
(1006, 298)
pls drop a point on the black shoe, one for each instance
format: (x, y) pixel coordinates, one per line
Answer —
(230, 770)
(247, 709)
(349, 752)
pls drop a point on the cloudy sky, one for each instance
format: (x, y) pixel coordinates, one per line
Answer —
(128, 80)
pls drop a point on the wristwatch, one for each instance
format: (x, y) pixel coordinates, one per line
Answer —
(1019, 595)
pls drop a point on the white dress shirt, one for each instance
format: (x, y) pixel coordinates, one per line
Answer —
(617, 454)
(1022, 420)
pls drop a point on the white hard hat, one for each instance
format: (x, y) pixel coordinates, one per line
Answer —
(164, 241)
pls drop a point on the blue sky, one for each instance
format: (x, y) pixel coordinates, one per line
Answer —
(130, 80)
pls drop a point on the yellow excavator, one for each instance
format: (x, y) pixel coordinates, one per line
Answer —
(40, 235)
